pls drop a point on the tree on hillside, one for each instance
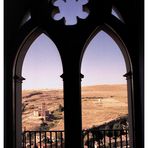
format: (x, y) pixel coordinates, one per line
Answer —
(61, 108)
(43, 125)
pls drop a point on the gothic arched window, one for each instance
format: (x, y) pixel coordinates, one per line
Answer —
(75, 28)
(104, 88)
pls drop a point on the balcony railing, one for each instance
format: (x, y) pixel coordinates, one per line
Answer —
(105, 139)
(90, 139)
(43, 139)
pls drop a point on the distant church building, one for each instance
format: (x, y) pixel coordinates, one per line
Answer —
(42, 112)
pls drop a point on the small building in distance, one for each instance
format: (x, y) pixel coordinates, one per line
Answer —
(42, 112)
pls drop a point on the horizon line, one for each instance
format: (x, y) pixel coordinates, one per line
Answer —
(81, 86)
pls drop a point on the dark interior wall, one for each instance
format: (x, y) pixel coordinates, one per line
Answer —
(132, 12)
(136, 38)
(13, 13)
(133, 15)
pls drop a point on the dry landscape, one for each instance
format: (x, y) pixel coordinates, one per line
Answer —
(100, 104)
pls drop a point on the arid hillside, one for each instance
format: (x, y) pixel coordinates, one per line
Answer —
(100, 104)
(103, 103)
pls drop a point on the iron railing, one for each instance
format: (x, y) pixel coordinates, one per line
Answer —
(90, 139)
(105, 139)
(43, 139)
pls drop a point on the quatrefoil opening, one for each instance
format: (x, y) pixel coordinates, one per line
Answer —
(70, 10)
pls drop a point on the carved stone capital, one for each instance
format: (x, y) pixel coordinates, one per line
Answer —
(62, 76)
(18, 79)
(81, 76)
(128, 75)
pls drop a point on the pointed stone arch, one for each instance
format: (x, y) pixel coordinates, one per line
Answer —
(111, 32)
(18, 80)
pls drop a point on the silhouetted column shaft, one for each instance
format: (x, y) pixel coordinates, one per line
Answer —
(131, 121)
(18, 122)
(72, 106)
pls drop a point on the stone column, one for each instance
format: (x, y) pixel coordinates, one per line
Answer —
(17, 104)
(128, 76)
(72, 106)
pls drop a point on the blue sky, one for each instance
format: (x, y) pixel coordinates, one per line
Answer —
(42, 65)
(102, 63)
(70, 10)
